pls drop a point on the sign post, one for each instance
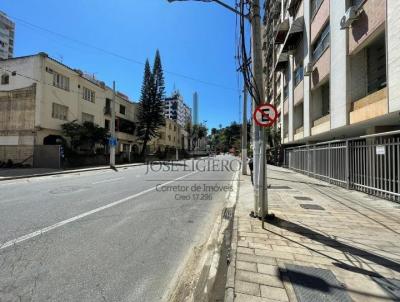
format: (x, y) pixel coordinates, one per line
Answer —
(264, 116)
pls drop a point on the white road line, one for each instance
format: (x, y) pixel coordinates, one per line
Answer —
(75, 218)
(108, 180)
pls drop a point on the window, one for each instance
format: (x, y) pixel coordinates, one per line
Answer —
(88, 95)
(60, 112)
(325, 99)
(5, 79)
(60, 81)
(122, 109)
(285, 91)
(315, 4)
(107, 124)
(322, 43)
(298, 75)
(86, 117)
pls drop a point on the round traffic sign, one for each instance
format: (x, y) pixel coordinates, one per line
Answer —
(265, 115)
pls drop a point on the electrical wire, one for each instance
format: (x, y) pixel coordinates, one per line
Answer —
(114, 54)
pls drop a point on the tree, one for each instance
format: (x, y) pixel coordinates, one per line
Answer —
(151, 111)
(87, 134)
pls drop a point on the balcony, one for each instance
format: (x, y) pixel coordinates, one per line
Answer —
(321, 125)
(370, 22)
(299, 133)
(294, 35)
(371, 106)
(281, 30)
(320, 19)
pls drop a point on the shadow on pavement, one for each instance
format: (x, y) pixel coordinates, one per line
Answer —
(333, 243)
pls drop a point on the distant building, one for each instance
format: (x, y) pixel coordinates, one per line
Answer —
(176, 109)
(7, 28)
(195, 109)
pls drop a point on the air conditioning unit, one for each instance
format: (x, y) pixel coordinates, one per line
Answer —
(308, 69)
(350, 16)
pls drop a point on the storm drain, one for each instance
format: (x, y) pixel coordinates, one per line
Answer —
(228, 213)
(309, 206)
(280, 188)
(391, 286)
(315, 284)
(303, 198)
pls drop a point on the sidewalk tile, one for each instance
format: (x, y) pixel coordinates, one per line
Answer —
(274, 293)
(259, 278)
(247, 288)
(245, 250)
(246, 266)
(256, 259)
(247, 298)
(268, 269)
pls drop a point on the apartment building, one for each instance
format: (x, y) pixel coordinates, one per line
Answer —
(7, 30)
(39, 94)
(171, 136)
(332, 67)
(176, 109)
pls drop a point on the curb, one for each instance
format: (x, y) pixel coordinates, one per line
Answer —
(199, 284)
(68, 172)
(231, 273)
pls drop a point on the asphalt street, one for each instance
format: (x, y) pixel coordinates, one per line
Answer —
(107, 235)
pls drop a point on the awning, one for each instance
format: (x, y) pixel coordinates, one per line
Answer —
(283, 62)
(294, 35)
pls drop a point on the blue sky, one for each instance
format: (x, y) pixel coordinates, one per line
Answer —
(195, 39)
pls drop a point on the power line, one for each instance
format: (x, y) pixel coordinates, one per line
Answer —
(119, 56)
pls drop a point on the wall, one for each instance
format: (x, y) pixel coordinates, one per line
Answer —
(393, 60)
(371, 19)
(320, 19)
(339, 66)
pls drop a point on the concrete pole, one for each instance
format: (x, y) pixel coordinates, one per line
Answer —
(112, 130)
(258, 79)
(244, 132)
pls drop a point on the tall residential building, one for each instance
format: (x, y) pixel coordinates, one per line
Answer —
(195, 108)
(7, 28)
(176, 109)
(332, 67)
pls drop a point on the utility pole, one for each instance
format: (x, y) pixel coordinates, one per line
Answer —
(255, 20)
(244, 132)
(112, 130)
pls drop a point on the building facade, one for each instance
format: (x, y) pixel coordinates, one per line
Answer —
(176, 109)
(39, 94)
(331, 67)
(7, 33)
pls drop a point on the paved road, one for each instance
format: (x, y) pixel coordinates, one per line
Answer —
(105, 235)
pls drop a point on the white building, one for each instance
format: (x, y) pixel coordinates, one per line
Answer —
(7, 28)
(175, 109)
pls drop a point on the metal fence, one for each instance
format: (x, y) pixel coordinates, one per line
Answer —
(369, 164)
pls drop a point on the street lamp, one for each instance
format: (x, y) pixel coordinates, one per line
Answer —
(218, 2)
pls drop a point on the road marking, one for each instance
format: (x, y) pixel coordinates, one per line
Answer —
(108, 180)
(75, 218)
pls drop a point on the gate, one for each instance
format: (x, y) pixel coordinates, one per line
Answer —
(47, 156)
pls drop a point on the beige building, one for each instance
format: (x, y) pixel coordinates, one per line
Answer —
(38, 94)
(332, 67)
(171, 136)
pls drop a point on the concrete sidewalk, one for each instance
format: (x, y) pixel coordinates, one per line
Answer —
(355, 236)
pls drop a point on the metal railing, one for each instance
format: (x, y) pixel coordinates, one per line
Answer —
(369, 164)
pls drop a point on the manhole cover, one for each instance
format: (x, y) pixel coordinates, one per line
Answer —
(308, 206)
(302, 198)
(280, 188)
(64, 190)
(228, 213)
(315, 284)
(392, 286)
